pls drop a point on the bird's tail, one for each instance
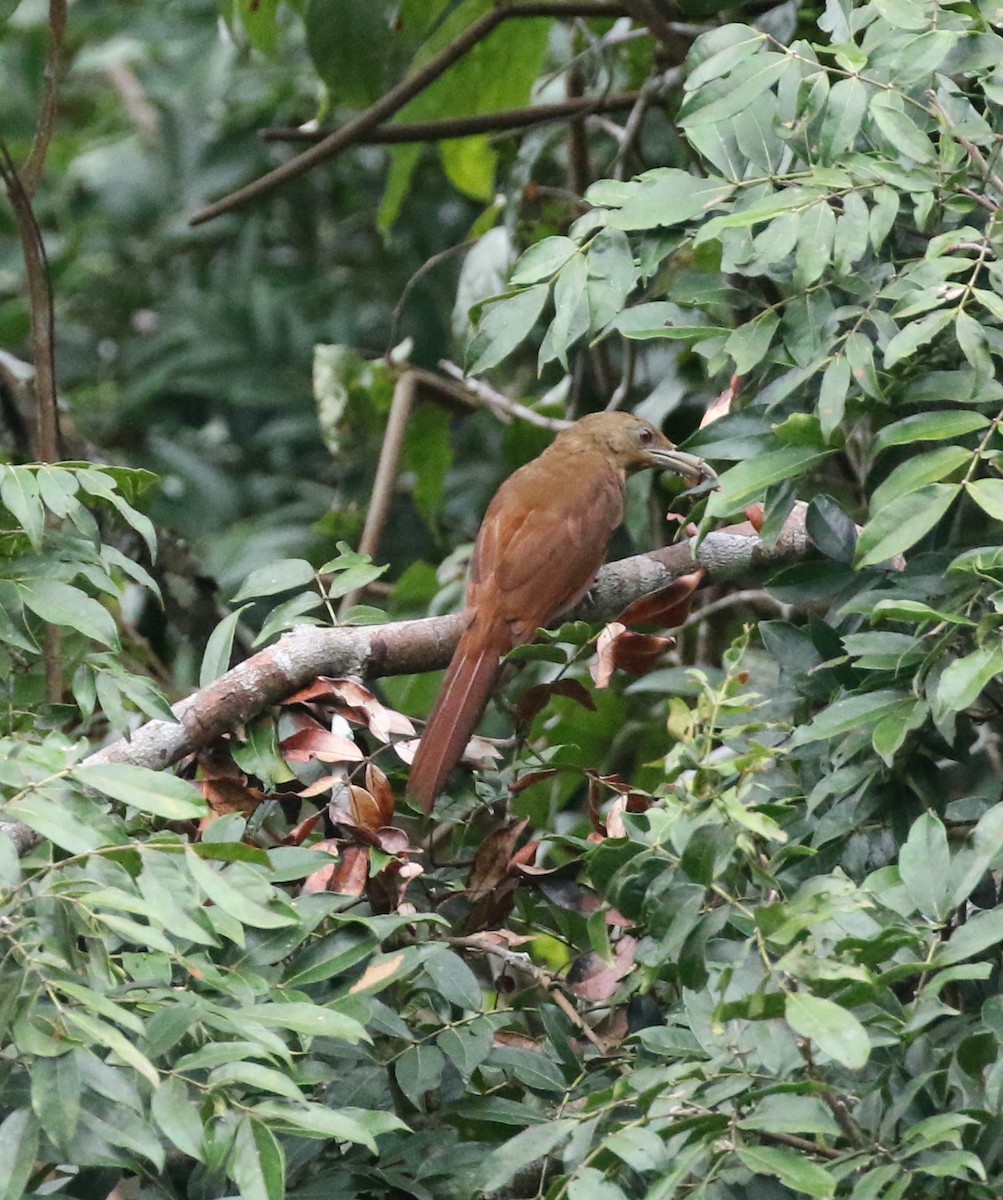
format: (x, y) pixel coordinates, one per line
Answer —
(465, 691)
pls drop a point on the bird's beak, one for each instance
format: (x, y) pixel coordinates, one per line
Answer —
(681, 463)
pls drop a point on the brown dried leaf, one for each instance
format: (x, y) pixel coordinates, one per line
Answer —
(352, 872)
(602, 668)
(669, 607)
(317, 743)
(383, 793)
(491, 862)
(590, 977)
(721, 405)
(225, 795)
(375, 975)
(536, 698)
(355, 703)
(635, 653)
(521, 1041)
(299, 833)
(531, 777)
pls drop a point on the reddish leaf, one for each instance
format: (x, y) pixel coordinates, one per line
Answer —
(635, 653)
(352, 871)
(669, 607)
(229, 796)
(531, 777)
(535, 699)
(491, 862)
(602, 668)
(317, 743)
(355, 703)
(299, 833)
(379, 786)
(591, 978)
(324, 784)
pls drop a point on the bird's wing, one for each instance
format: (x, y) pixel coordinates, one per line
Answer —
(535, 558)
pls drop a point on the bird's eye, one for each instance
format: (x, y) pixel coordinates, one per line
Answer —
(645, 436)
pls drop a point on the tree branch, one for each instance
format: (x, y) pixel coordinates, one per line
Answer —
(409, 647)
(395, 99)
(31, 172)
(505, 121)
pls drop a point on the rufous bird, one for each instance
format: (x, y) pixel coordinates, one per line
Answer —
(543, 538)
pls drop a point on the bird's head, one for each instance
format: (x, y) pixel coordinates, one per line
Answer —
(635, 444)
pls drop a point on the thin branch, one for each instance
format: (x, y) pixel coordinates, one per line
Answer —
(973, 152)
(482, 395)
(31, 172)
(428, 265)
(505, 121)
(386, 473)
(36, 267)
(542, 978)
(395, 99)
(748, 596)
(410, 647)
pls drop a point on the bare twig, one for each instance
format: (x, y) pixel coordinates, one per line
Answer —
(428, 265)
(386, 473)
(506, 121)
(748, 596)
(394, 100)
(31, 172)
(973, 152)
(544, 979)
(483, 395)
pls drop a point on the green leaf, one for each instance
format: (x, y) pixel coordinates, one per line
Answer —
(832, 395)
(216, 659)
(988, 495)
(257, 1162)
(70, 608)
(282, 576)
(20, 495)
(55, 1096)
(746, 81)
(901, 132)
(832, 1028)
(816, 230)
(319, 1121)
(571, 312)
(527, 1146)
(749, 343)
(935, 426)
(155, 792)
(979, 933)
(900, 524)
(832, 531)
(841, 121)
(963, 680)
(917, 472)
(313, 1019)
(846, 715)
(924, 863)
(177, 1116)
(231, 899)
(18, 1150)
(663, 197)
(747, 481)
(340, 36)
(543, 260)
(794, 1170)
(909, 339)
(503, 325)
(49, 812)
(454, 980)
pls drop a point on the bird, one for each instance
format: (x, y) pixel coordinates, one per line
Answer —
(542, 541)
